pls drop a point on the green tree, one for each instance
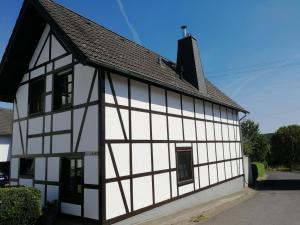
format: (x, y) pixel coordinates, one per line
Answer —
(285, 148)
(255, 144)
(250, 130)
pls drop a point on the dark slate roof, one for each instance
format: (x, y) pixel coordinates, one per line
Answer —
(90, 42)
(6, 116)
(105, 47)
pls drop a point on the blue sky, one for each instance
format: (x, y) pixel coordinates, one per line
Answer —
(249, 49)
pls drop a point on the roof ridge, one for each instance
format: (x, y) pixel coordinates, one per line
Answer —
(97, 24)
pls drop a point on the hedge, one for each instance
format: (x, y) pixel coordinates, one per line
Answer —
(258, 170)
(19, 205)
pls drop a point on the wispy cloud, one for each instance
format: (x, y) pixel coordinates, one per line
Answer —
(133, 31)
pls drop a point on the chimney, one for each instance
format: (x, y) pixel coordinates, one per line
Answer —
(189, 63)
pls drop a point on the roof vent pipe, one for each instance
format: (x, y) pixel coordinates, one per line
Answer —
(184, 30)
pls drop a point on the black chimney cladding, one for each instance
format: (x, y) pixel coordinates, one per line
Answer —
(189, 63)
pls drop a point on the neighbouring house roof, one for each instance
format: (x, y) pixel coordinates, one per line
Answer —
(6, 117)
(90, 42)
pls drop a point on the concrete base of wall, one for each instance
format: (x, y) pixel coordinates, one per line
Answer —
(215, 192)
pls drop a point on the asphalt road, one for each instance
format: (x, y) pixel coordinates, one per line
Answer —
(276, 203)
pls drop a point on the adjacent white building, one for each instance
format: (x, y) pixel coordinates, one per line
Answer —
(5, 139)
(107, 127)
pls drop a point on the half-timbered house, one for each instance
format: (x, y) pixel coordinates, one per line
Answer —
(110, 129)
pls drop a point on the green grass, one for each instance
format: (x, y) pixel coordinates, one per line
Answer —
(260, 169)
(199, 218)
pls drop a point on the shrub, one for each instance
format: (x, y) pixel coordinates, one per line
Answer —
(19, 205)
(258, 170)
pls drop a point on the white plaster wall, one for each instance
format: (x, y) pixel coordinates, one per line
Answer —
(26, 182)
(160, 156)
(187, 106)
(35, 145)
(57, 49)
(208, 111)
(210, 131)
(121, 154)
(201, 134)
(22, 100)
(17, 144)
(5, 143)
(221, 171)
(39, 168)
(199, 109)
(159, 127)
(89, 136)
(70, 209)
(218, 131)
(172, 155)
(186, 188)
(174, 103)
(228, 169)
(109, 169)
(142, 192)
(91, 172)
(61, 143)
(37, 72)
(91, 204)
(140, 125)
(196, 177)
(174, 183)
(141, 158)
(120, 84)
(217, 112)
(14, 168)
(47, 124)
(41, 188)
(113, 129)
(213, 173)
(175, 128)
(67, 60)
(204, 179)
(139, 95)
(158, 99)
(35, 126)
(223, 114)
(189, 129)
(46, 144)
(219, 148)
(211, 152)
(62, 121)
(83, 76)
(49, 82)
(53, 169)
(39, 46)
(52, 193)
(162, 187)
(114, 202)
(202, 153)
(226, 150)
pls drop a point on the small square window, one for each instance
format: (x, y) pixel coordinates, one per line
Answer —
(63, 89)
(36, 96)
(184, 165)
(26, 167)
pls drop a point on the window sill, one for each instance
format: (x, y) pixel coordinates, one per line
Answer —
(26, 176)
(185, 182)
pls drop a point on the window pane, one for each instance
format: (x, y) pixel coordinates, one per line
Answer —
(184, 165)
(62, 90)
(26, 167)
(72, 179)
(36, 96)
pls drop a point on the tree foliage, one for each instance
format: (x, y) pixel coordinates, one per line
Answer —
(255, 144)
(286, 146)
